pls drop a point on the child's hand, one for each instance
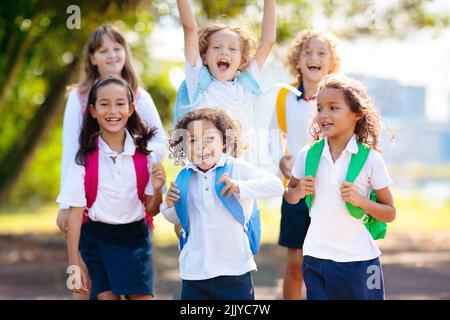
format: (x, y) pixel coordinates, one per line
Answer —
(77, 280)
(350, 194)
(306, 186)
(173, 194)
(158, 176)
(230, 186)
(61, 220)
(286, 166)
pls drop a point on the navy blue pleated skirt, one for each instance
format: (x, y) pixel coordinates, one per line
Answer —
(118, 257)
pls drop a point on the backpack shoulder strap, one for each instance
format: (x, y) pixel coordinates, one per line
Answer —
(91, 179)
(249, 82)
(231, 203)
(183, 104)
(312, 163)
(357, 162)
(142, 175)
(281, 107)
(181, 206)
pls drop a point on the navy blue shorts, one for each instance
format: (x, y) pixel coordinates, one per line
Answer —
(294, 224)
(331, 280)
(118, 257)
(219, 288)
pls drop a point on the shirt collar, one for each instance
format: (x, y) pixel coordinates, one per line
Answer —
(220, 163)
(128, 147)
(352, 144)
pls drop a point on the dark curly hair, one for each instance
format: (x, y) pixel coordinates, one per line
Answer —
(228, 126)
(90, 129)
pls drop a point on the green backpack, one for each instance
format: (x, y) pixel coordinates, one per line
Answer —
(376, 228)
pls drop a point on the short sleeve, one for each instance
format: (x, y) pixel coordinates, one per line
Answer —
(379, 177)
(149, 187)
(72, 191)
(253, 69)
(192, 73)
(298, 169)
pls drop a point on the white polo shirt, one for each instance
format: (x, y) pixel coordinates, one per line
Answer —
(333, 233)
(229, 95)
(299, 114)
(217, 244)
(117, 201)
(73, 118)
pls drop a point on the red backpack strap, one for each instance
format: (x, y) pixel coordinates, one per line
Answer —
(142, 177)
(91, 180)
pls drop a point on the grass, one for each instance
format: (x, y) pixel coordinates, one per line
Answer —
(413, 215)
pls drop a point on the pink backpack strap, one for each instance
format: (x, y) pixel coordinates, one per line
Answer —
(91, 180)
(142, 178)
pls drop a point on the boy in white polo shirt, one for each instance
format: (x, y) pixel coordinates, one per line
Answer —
(216, 251)
(339, 252)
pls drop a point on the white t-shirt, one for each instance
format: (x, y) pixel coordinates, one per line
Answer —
(217, 244)
(117, 200)
(299, 114)
(73, 118)
(229, 95)
(333, 233)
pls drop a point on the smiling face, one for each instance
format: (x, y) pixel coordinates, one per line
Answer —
(315, 60)
(204, 144)
(109, 57)
(334, 117)
(112, 108)
(223, 56)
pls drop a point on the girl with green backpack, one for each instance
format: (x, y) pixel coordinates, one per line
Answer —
(337, 175)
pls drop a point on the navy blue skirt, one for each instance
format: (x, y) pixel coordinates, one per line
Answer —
(294, 224)
(118, 257)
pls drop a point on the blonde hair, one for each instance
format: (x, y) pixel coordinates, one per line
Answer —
(248, 49)
(91, 73)
(368, 126)
(296, 47)
(228, 126)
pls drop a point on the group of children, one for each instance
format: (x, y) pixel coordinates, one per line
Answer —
(112, 183)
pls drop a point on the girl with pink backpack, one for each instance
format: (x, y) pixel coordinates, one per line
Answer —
(111, 186)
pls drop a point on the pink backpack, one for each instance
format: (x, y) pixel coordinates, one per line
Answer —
(91, 181)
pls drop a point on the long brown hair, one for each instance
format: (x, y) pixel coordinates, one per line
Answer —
(368, 126)
(90, 71)
(90, 129)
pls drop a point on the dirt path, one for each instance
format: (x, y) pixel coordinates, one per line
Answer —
(415, 267)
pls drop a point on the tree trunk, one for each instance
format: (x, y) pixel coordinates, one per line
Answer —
(37, 131)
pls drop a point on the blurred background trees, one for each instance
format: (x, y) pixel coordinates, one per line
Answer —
(40, 57)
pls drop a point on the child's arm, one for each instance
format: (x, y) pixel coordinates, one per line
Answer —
(268, 33)
(298, 188)
(190, 30)
(158, 178)
(74, 223)
(167, 207)
(383, 209)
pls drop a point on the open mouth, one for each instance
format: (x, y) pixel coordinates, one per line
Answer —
(113, 120)
(326, 125)
(223, 65)
(314, 67)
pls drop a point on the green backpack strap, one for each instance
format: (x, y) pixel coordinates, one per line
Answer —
(312, 163)
(376, 228)
(354, 168)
